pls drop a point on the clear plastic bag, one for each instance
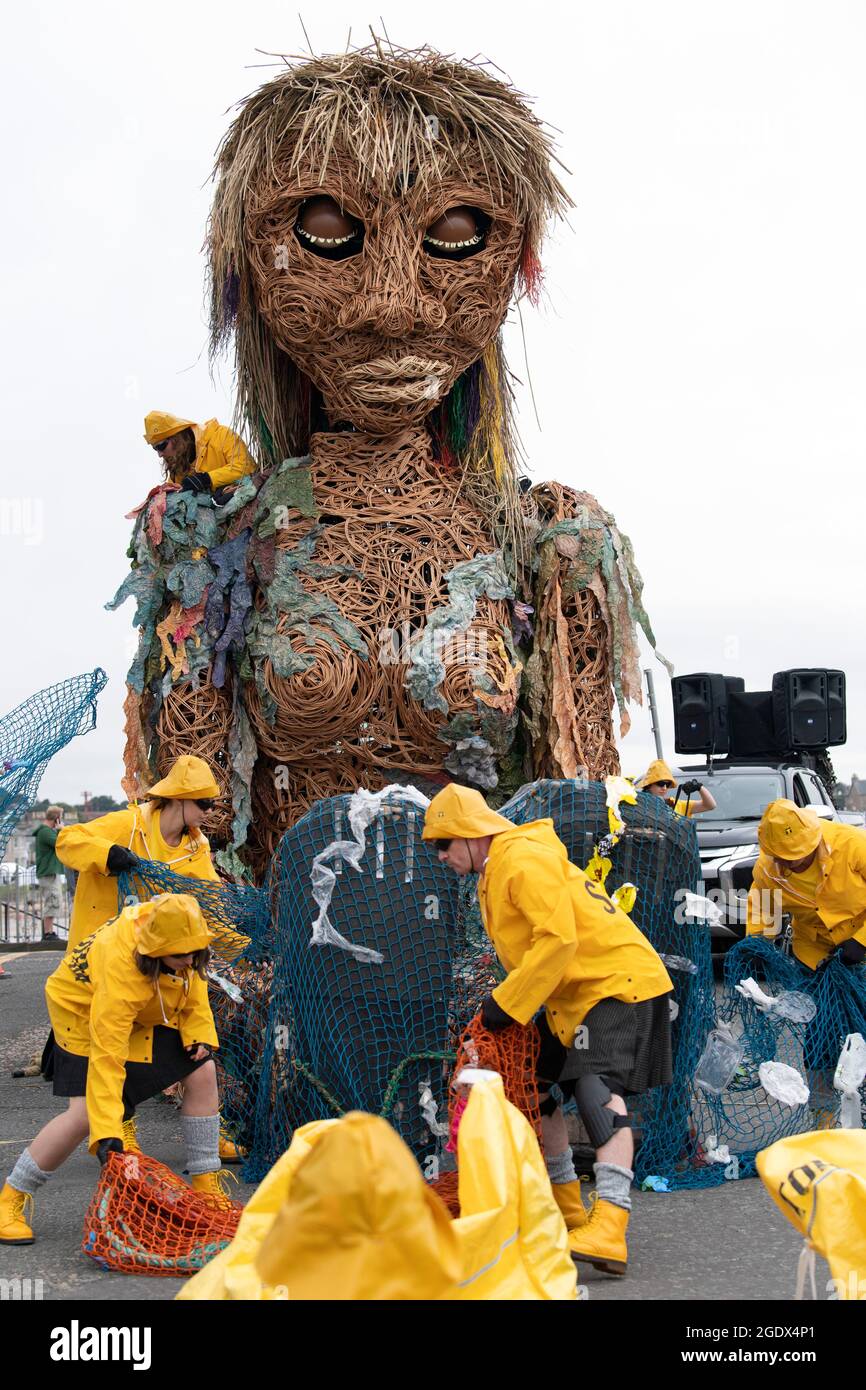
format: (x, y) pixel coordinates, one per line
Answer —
(719, 1060)
(783, 1083)
(681, 963)
(850, 1073)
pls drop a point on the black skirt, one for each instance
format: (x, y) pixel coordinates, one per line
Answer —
(626, 1043)
(169, 1064)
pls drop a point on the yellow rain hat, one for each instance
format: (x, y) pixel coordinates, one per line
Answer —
(159, 425)
(657, 772)
(461, 813)
(171, 924)
(189, 778)
(788, 831)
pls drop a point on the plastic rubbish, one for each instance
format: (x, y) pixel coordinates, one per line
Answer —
(430, 1110)
(700, 909)
(850, 1072)
(790, 1004)
(714, 1152)
(681, 963)
(653, 1183)
(719, 1060)
(227, 986)
(783, 1083)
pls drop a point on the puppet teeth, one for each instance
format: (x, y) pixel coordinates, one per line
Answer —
(324, 240)
(454, 245)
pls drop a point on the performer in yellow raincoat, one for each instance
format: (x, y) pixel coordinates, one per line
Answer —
(346, 1215)
(816, 870)
(165, 831)
(202, 458)
(569, 950)
(659, 780)
(130, 1014)
(819, 1181)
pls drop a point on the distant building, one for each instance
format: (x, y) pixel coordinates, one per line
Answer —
(856, 797)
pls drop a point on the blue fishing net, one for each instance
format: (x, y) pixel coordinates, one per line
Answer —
(369, 1016)
(32, 733)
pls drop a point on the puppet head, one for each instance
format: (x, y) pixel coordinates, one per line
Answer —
(373, 214)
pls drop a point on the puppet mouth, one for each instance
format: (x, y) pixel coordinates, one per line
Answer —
(385, 379)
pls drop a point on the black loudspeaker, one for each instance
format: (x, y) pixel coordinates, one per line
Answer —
(801, 709)
(750, 717)
(836, 716)
(700, 714)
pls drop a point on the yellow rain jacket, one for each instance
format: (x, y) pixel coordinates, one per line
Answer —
(85, 848)
(218, 451)
(102, 1007)
(819, 1181)
(827, 902)
(565, 944)
(346, 1215)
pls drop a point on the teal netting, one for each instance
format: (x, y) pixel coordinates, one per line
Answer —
(367, 959)
(368, 1017)
(32, 733)
(744, 1115)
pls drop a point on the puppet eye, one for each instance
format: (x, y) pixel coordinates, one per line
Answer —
(458, 233)
(323, 227)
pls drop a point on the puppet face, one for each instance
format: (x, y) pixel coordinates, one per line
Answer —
(382, 296)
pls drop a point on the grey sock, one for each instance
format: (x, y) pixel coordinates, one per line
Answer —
(201, 1135)
(613, 1184)
(560, 1167)
(27, 1176)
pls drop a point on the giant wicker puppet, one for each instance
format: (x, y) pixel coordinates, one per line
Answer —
(385, 599)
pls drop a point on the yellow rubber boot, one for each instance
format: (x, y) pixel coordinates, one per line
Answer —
(215, 1187)
(570, 1203)
(601, 1241)
(13, 1228)
(130, 1137)
(229, 1151)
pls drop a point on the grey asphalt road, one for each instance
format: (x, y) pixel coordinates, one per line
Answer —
(728, 1243)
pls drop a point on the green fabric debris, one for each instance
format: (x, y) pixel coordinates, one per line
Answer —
(467, 582)
(242, 755)
(289, 488)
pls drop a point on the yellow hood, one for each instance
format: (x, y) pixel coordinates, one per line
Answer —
(657, 772)
(159, 425)
(170, 925)
(360, 1223)
(819, 1181)
(345, 1214)
(788, 831)
(460, 813)
(188, 778)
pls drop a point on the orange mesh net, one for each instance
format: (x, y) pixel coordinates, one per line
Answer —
(144, 1219)
(513, 1053)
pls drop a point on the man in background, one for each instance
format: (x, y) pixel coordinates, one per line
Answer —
(50, 873)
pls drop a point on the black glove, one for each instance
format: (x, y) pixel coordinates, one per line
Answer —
(492, 1016)
(108, 1146)
(120, 860)
(691, 788)
(851, 952)
(221, 495)
(196, 482)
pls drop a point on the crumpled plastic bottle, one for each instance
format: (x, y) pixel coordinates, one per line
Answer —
(719, 1060)
(682, 963)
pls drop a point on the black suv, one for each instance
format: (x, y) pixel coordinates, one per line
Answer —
(728, 836)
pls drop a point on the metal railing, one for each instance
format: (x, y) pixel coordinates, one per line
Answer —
(22, 913)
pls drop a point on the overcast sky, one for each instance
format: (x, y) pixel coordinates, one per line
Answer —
(698, 362)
